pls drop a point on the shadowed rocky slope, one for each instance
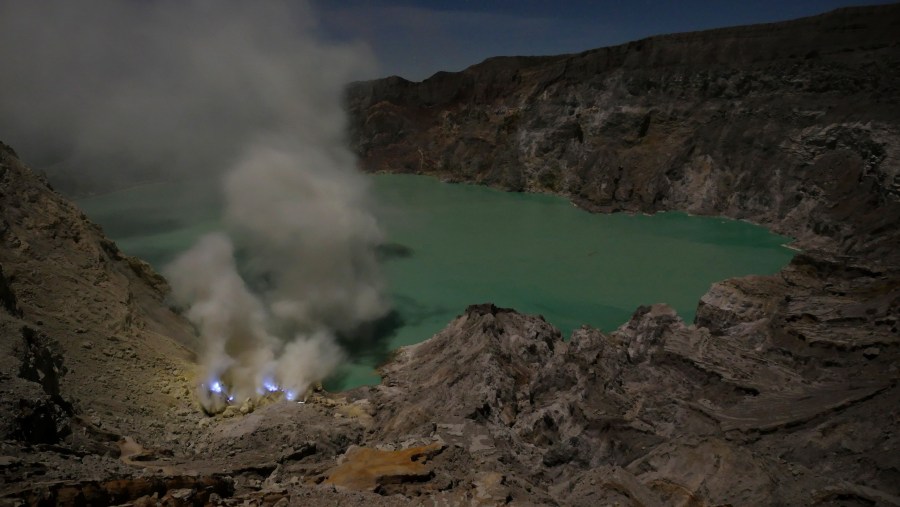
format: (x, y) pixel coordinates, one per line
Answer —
(782, 392)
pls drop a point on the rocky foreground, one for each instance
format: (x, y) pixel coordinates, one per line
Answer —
(782, 392)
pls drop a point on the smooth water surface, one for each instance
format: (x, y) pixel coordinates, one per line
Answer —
(453, 245)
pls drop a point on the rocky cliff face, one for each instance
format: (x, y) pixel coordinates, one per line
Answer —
(795, 125)
(89, 351)
(782, 392)
(63, 283)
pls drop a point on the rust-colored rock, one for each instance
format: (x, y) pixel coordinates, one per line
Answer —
(367, 469)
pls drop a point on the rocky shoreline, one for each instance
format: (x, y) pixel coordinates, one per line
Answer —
(782, 392)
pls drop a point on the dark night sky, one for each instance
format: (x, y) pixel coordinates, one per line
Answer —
(415, 38)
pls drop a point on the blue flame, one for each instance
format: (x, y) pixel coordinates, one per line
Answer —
(270, 385)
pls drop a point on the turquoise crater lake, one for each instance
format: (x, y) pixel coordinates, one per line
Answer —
(453, 245)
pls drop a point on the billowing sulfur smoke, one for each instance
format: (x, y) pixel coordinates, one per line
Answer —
(243, 94)
(298, 213)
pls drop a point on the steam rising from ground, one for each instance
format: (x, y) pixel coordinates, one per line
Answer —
(245, 94)
(298, 213)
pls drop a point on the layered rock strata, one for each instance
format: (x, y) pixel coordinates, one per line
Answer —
(795, 125)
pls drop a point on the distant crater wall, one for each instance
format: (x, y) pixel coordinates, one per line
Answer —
(795, 125)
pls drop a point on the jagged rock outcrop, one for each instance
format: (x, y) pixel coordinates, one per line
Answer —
(658, 412)
(795, 125)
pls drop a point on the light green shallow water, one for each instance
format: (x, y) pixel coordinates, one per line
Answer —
(470, 244)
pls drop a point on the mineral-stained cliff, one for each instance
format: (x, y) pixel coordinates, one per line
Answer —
(795, 125)
(782, 392)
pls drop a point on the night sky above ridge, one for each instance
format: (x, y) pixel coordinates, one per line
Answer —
(128, 87)
(416, 38)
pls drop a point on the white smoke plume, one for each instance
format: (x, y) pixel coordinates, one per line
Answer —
(247, 95)
(298, 212)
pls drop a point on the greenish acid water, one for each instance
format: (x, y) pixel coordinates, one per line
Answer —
(454, 245)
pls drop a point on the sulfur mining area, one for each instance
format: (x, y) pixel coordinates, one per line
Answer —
(782, 391)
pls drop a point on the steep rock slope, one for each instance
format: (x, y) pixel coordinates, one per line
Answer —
(89, 351)
(795, 125)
